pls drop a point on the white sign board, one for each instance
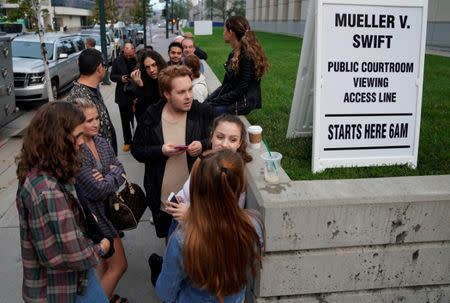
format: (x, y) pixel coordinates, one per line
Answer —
(368, 85)
(203, 27)
(301, 117)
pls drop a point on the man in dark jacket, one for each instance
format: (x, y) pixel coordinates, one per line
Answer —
(120, 73)
(169, 137)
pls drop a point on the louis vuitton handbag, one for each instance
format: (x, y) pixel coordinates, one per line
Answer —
(128, 207)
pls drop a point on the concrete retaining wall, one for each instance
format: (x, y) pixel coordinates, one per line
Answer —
(359, 240)
(351, 241)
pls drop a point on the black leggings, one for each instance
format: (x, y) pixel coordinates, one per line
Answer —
(127, 119)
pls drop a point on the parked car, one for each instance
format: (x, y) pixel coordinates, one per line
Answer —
(63, 51)
(12, 29)
(139, 37)
(110, 45)
(131, 33)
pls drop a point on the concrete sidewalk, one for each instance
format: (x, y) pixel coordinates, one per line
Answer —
(139, 244)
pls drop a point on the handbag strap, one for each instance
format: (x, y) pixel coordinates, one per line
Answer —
(128, 184)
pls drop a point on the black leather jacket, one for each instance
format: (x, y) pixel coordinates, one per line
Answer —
(241, 92)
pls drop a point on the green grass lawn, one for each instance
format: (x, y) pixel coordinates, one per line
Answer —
(278, 89)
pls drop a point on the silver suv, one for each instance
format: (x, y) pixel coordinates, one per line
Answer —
(62, 54)
(110, 45)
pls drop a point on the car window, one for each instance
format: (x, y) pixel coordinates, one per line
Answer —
(65, 47)
(30, 49)
(79, 43)
(11, 28)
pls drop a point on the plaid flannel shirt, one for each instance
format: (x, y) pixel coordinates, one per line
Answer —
(55, 253)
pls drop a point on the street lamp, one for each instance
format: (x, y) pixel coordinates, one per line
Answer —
(211, 11)
(101, 13)
(144, 15)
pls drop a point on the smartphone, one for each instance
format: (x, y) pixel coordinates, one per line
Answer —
(181, 147)
(172, 198)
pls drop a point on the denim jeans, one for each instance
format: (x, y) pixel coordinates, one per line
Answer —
(93, 292)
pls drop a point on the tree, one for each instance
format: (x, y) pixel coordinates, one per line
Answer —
(110, 11)
(135, 15)
(237, 8)
(25, 11)
(181, 9)
(219, 8)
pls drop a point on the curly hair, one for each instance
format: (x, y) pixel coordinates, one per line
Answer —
(49, 144)
(249, 46)
(160, 62)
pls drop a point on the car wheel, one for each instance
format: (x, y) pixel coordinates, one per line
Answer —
(55, 89)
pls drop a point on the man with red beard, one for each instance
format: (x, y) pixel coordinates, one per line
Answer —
(169, 137)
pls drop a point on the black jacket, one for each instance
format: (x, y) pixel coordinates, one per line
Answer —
(119, 69)
(201, 54)
(146, 95)
(241, 92)
(148, 141)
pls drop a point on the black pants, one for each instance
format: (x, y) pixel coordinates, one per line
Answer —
(127, 119)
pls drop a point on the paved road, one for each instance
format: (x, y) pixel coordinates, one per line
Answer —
(139, 243)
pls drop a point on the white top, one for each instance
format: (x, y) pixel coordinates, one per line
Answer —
(199, 88)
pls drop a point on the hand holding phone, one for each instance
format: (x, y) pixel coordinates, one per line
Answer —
(172, 198)
(181, 147)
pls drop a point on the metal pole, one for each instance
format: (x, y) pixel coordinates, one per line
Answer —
(151, 24)
(144, 15)
(171, 15)
(167, 19)
(211, 10)
(101, 12)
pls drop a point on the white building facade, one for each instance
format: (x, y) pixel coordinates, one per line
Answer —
(289, 16)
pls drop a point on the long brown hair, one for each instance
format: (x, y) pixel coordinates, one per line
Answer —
(242, 150)
(249, 46)
(220, 240)
(48, 144)
(154, 55)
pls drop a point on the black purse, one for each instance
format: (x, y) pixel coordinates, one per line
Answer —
(128, 207)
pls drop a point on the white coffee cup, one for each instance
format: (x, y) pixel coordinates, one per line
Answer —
(255, 136)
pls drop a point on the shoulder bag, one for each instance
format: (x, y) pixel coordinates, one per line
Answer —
(128, 207)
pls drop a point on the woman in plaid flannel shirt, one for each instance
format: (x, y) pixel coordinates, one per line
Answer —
(58, 259)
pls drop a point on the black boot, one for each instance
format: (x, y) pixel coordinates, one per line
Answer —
(155, 263)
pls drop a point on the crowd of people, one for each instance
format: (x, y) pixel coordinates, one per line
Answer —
(190, 142)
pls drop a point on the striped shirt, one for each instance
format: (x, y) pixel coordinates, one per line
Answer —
(55, 253)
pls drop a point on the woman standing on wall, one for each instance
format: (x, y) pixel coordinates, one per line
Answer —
(240, 91)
